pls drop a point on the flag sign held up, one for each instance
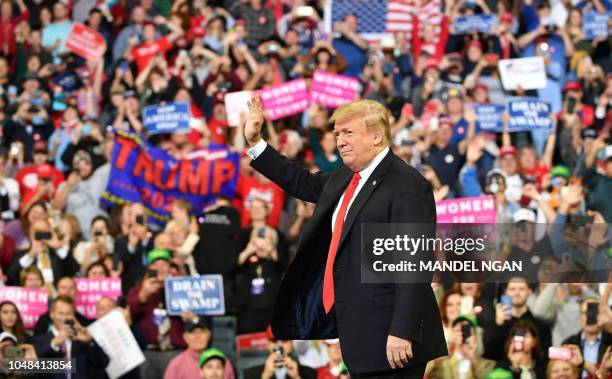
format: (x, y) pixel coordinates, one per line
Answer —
(167, 118)
(201, 295)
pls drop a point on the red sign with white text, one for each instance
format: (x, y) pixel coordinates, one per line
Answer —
(85, 42)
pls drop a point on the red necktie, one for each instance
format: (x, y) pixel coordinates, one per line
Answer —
(328, 279)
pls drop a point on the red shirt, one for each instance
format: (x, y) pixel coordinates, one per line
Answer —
(142, 54)
(536, 173)
(27, 178)
(249, 188)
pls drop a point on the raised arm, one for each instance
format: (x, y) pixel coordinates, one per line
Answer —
(288, 175)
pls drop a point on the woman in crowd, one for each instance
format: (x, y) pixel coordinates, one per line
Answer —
(100, 244)
(11, 322)
(524, 356)
(31, 277)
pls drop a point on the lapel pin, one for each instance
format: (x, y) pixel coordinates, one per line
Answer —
(374, 183)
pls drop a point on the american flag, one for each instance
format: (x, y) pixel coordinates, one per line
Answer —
(398, 16)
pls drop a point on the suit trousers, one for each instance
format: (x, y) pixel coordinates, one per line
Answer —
(413, 372)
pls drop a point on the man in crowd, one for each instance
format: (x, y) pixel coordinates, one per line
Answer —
(69, 339)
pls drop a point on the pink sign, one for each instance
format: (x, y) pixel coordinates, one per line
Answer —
(285, 99)
(90, 291)
(477, 210)
(85, 42)
(31, 302)
(333, 90)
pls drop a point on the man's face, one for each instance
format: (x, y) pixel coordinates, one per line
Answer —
(519, 292)
(60, 313)
(351, 23)
(212, 369)
(148, 32)
(455, 105)
(561, 370)
(66, 287)
(197, 339)
(356, 144)
(162, 267)
(138, 15)
(104, 306)
(59, 11)
(508, 164)
(444, 134)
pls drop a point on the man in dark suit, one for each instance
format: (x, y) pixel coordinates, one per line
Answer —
(386, 330)
(65, 287)
(592, 340)
(131, 249)
(68, 339)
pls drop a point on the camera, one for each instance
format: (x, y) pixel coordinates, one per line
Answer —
(13, 352)
(151, 273)
(224, 86)
(550, 28)
(140, 219)
(42, 235)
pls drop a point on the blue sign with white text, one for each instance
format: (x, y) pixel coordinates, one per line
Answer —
(489, 117)
(202, 295)
(595, 25)
(483, 23)
(528, 114)
(167, 118)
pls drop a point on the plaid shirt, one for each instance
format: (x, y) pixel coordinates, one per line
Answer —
(260, 24)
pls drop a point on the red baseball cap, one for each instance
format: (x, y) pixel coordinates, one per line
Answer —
(507, 150)
(506, 18)
(481, 85)
(572, 85)
(431, 63)
(445, 121)
(476, 43)
(45, 171)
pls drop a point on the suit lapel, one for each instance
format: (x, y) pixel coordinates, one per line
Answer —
(362, 197)
(330, 196)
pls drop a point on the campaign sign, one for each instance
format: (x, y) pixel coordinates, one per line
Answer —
(333, 90)
(31, 302)
(85, 42)
(142, 173)
(91, 290)
(528, 114)
(483, 23)
(489, 117)
(473, 210)
(113, 335)
(529, 73)
(285, 99)
(201, 295)
(235, 104)
(595, 24)
(167, 118)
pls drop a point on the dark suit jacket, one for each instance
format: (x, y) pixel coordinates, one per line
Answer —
(364, 314)
(133, 263)
(90, 359)
(576, 339)
(60, 267)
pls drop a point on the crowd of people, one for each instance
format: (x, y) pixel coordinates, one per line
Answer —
(59, 113)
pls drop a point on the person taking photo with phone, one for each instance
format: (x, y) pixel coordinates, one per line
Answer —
(260, 268)
(68, 339)
(523, 352)
(592, 340)
(465, 360)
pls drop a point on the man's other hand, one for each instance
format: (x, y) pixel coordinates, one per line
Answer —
(254, 121)
(399, 351)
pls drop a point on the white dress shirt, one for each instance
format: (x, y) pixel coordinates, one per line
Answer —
(365, 174)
